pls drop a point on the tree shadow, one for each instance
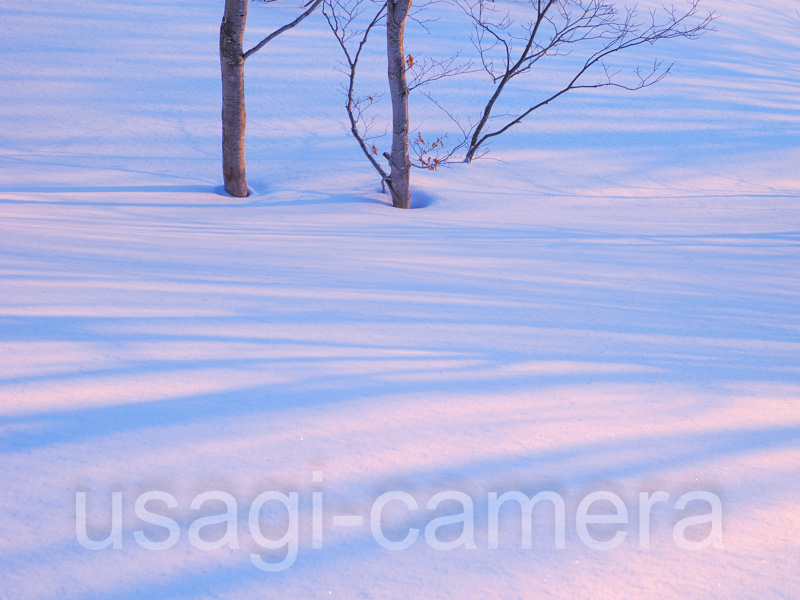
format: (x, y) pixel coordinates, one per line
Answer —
(583, 466)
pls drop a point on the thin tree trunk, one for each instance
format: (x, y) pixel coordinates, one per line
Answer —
(397, 11)
(234, 118)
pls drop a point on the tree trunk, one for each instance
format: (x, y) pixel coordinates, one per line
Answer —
(397, 11)
(233, 114)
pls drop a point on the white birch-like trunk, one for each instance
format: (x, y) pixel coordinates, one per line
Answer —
(234, 118)
(396, 13)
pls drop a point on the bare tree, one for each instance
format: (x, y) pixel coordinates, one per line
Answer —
(234, 118)
(593, 30)
(352, 22)
(399, 160)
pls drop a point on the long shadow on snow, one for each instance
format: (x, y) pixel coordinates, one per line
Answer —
(51, 429)
(680, 450)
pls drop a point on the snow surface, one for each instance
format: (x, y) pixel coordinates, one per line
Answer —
(613, 305)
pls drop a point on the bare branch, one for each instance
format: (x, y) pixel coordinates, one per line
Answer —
(312, 6)
(429, 70)
(559, 27)
(432, 155)
(342, 17)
